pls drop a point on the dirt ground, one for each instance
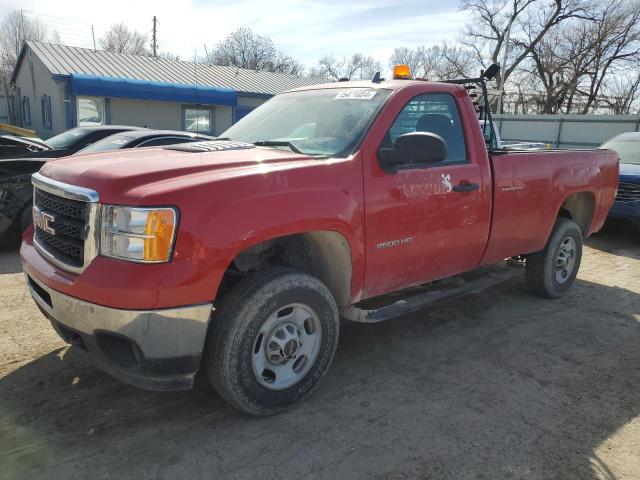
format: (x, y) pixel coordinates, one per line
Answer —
(498, 385)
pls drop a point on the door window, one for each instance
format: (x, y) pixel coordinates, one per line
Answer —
(436, 113)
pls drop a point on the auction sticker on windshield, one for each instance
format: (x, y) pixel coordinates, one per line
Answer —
(356, 94)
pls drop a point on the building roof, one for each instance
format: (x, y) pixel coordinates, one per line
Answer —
(65, 60)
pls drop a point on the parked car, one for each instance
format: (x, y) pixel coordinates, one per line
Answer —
(627, 205)
(142, 138)
(16, 193)
(69, 142)
(15, 170)
(11, 145)
(239, 256)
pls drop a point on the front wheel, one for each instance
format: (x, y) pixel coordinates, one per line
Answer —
(272, 339)
(553, 270)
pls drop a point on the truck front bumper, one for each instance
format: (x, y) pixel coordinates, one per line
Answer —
(150, 349)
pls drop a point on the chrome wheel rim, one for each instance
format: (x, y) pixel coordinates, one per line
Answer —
(565, 260)
(286, 347)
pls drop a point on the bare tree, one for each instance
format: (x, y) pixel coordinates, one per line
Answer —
(120, 39)
(527, 22)
(413, 57)
(578, 60)
(437, 62)
(615, 44)
(622, 93)
(17, 28)
(558, 63)
(353, 67)
(283, 63)
(245, 49)
(168, 56)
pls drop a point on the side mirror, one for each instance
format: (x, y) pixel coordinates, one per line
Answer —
(413, 148)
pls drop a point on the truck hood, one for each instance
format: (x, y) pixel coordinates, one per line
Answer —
(120, 171)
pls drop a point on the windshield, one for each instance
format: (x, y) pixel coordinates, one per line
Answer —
(66, 139)
(327, 122)
(628, 148)
(114, 142)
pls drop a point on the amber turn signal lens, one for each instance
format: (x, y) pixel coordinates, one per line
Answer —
(159, 230)
(401, 72)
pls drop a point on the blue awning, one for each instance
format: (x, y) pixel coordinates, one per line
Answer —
(112, 87)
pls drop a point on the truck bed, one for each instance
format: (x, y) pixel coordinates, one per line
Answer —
(530, 188)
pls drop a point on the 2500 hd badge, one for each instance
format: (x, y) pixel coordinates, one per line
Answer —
(394, 243)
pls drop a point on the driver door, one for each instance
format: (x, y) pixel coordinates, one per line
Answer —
(420, 225)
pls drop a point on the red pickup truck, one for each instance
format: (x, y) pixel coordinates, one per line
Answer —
(239, 256)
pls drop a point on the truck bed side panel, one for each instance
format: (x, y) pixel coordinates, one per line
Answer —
(531, 187)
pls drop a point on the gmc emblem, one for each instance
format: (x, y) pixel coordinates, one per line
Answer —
(43, 220)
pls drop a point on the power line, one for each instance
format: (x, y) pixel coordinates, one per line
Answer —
(64, 19)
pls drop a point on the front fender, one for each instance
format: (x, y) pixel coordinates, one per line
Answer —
(250, 210)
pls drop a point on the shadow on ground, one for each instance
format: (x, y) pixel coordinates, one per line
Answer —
(618, 239)
(9, 261)
(497, 385)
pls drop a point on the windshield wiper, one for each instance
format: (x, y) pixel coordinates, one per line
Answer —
(279, 143)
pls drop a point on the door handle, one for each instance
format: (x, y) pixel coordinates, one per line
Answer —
(466, 187)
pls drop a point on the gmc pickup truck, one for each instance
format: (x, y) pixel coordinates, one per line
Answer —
(237, 257)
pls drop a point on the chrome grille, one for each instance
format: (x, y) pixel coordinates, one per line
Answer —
(68, 208)
(62, 247)
(65, 223)
(65, 240)
(628, 192)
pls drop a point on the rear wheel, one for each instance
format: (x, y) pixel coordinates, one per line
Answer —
(553, 270)
(272, 339)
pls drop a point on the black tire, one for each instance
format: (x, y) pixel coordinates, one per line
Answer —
(541, 266)
(235, 329)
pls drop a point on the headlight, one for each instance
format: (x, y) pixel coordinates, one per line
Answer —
(138, 234)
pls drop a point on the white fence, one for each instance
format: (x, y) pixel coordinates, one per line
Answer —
(565, 131)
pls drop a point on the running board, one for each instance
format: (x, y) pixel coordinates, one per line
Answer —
(417, 298)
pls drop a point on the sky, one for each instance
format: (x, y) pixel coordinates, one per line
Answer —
(304, 29)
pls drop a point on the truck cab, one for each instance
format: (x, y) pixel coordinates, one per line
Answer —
(237, 257)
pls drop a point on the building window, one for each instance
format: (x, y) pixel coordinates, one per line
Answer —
(45, 103)
(90, 111)
(199, 120)
(26, 112)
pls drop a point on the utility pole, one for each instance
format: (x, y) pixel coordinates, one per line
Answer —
(94, 38)
(507, 40)
(154, 45)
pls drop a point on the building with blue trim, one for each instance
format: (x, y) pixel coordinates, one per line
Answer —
(57, 87)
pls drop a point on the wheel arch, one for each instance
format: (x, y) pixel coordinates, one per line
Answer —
(579, 207)
(325, 254)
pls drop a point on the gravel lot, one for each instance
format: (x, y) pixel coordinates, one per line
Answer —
(496, 385)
